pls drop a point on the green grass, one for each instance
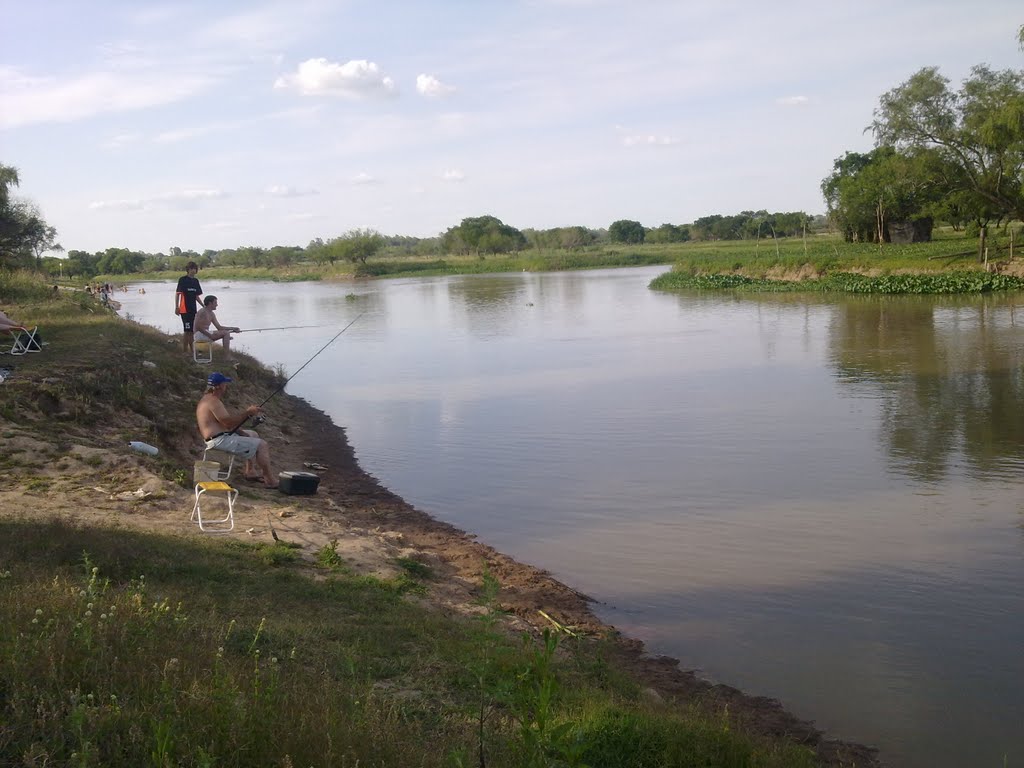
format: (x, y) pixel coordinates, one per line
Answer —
(824, 263)
(121, 648)
(406, 266)
(755, 258)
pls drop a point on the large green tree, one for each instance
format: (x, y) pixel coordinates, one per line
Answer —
(356, 245)
(868, 193)
(24, 234)
(976, 132)
(483, 234)
(627, 231)
(667, 233)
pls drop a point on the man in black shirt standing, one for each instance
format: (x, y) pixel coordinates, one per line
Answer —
(186, 301)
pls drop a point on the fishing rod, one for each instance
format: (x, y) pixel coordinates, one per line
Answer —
(280, 389)
(278, 328)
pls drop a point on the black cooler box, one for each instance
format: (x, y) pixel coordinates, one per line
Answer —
(298, 483)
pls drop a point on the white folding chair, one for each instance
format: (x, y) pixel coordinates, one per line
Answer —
(26, 341)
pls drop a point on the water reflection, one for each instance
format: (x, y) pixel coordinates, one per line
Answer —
(950, 376)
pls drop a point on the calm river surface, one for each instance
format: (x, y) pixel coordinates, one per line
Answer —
(819, 500)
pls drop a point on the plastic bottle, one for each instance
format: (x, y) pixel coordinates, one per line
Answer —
(152, 450)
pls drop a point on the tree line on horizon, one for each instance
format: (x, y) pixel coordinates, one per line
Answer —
(480, 235)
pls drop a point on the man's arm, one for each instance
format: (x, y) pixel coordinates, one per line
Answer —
(232, 422)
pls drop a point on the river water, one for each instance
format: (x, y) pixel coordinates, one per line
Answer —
(815, 499)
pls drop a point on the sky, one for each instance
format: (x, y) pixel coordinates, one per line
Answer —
(152, 125)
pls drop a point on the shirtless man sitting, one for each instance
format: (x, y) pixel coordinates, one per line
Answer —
(220, 430)
(206, 317)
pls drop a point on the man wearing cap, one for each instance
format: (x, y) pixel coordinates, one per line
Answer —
(221, 431)
(186, 298)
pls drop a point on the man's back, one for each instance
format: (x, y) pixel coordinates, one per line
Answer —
(204, 318)
(207, 412)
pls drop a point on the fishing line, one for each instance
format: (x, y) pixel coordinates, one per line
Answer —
(325, 346)
(278, 328)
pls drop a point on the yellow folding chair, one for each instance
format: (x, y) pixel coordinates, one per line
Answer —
(208, 489)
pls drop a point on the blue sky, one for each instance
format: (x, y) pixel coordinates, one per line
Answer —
(208, 124)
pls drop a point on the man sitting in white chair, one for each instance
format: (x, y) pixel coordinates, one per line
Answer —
(222, 431)
(207, 317)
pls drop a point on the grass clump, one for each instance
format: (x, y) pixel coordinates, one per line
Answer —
(327, 557)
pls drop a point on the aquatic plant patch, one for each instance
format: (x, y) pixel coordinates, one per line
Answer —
(847, 282)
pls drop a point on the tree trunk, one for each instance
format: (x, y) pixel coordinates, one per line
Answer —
(880, 223)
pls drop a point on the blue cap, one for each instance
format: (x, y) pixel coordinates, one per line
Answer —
(216, 378)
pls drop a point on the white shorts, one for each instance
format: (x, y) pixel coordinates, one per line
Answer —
(200, 336)
(238, 444)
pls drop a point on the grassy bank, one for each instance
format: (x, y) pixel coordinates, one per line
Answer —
(124, 646)
(127, 649)
(410, 266)
(948, 264)
(760, 259)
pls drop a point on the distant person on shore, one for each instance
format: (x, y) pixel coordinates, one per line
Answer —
(222, 431)
(186, 299)
(206, 317)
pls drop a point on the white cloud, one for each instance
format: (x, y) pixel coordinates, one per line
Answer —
(182, 134)
(793, 101)
(353, 79)
(363, 178)
(649, 140)
(195, 194)
(29, 100)
(217, 225)
(122, 140)
(117, 205)
(453, 174)
(280, 190)
(428, 85)
(183, 199)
